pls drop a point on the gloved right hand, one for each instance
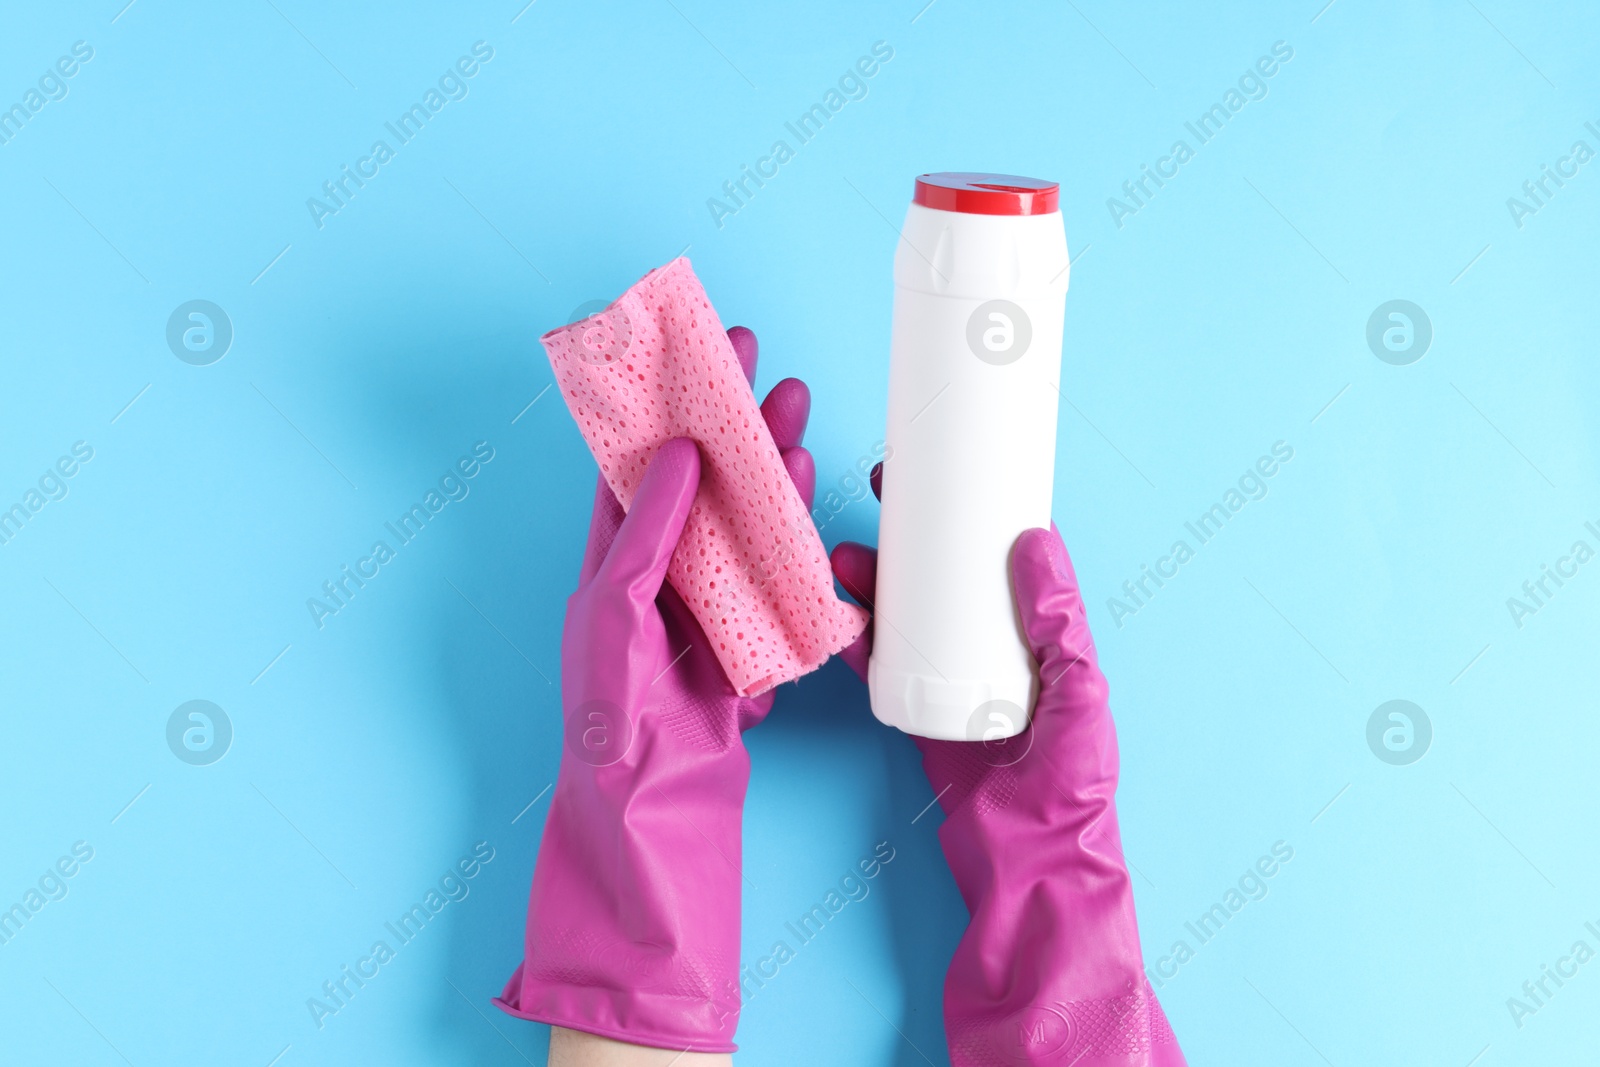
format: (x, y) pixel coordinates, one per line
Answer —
(1049, 970)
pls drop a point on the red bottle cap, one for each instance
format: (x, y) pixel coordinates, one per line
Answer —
(986, 194)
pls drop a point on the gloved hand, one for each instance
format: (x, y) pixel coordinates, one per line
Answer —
(1049, 970)
(633, 920)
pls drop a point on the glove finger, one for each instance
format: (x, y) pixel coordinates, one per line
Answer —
(604, 519)
(856, 568)
(787, 406)
(1051, 607)
(802, 471)
(745, 347)
(637, 561)
(786, 409)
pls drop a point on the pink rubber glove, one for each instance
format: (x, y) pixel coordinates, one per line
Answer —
(1049, 970)
(633, 919)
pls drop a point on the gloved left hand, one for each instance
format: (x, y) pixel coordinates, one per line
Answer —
(1049, 970)
(633, 919)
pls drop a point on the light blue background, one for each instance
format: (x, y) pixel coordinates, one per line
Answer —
(1227, 314)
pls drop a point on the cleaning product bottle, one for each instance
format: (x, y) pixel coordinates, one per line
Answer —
(980, 279)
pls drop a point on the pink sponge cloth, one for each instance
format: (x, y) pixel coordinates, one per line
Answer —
(656, 365)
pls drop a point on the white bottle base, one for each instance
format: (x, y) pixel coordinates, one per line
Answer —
(949, 709)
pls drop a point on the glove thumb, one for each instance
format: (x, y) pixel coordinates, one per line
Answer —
(637, 561)
(1053, 615)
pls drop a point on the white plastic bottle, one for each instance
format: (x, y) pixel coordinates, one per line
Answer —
(974, 367)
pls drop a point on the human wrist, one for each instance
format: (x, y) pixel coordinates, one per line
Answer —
(579, 1048)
